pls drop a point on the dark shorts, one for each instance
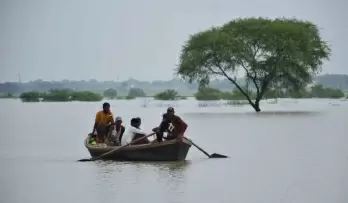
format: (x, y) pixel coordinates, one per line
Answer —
(160, 137)
(170, 136)
(103, 129)
(144, 141)
(102, 132)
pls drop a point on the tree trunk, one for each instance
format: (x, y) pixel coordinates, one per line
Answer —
(257, 106)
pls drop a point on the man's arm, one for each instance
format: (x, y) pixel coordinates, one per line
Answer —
(183, 126)
(112, 121)
(163, 126)
(139, 131)
(97, 118)
(122, 129)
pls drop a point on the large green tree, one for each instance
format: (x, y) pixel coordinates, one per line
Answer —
(271, 53)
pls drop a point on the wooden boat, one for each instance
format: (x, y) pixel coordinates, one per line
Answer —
(172, 150)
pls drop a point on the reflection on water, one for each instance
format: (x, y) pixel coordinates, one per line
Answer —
(166, 178)
(174, 170)
(110, 166)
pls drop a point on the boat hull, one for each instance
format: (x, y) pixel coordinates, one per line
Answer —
(165, 151)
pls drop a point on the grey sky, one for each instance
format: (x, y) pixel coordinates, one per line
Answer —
(119, 39)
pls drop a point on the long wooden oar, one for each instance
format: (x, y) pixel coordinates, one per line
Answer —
(115, 150)
(215, 155)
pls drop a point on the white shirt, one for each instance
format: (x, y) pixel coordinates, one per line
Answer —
(129, 134)
(115, 136)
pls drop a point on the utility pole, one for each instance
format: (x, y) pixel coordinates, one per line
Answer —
(19, 77)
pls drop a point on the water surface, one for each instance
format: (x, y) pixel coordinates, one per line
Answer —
(293, 152)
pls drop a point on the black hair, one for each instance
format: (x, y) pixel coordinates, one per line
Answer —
(170, 109)
(105, 105)
(133, 120)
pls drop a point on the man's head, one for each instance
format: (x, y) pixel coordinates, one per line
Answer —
(135, 122)
(138, 121)
(106, 107)
(118, 121)
(170, 111)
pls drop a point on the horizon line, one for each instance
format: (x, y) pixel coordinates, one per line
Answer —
(117, 81)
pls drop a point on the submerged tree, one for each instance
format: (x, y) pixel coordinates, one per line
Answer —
(169, 94)
(208, 93)
(110, 93)
(271, 53)
(136, 92)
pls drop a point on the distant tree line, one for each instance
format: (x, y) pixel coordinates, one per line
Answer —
(111, 93)
(63, 95)
(209, 93)
(60, 95)
(203, 93)
(316, 91)
(12, 88)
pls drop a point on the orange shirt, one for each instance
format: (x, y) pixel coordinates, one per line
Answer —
(104, 118)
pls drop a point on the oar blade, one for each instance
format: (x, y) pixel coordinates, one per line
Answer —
(84, 160)
(218, 156)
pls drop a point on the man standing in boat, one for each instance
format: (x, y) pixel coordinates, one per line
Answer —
(103, 120)
(171, 123)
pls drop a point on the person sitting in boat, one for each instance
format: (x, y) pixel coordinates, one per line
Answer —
(172, 124)
(166, 127)
(117, 131)
(134, 132)
(103, 120)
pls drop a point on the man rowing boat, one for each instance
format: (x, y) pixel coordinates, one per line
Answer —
(172, 124)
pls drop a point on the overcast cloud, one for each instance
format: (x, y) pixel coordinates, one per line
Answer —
(119, 39)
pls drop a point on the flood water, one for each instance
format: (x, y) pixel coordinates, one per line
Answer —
(296, 151)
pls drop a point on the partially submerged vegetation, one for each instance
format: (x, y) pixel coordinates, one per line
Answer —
(110, 93)
(7, 96)
(169, 94)
(31, 96)
(60, 95)
(203, 94)
(65, 95)
(316, 91)
(136, 92)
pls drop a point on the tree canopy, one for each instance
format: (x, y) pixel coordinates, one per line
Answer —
(278, 53)
(208, 93)
(168, 94)
(31, 96)
(110, 93)
(136, 92)
(326, 92)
